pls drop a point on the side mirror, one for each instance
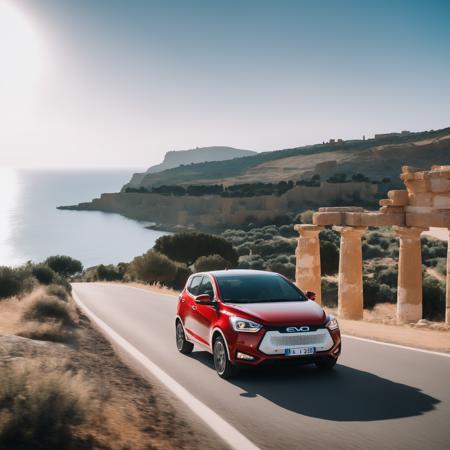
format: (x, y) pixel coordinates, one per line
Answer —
(203, 299)
(311, 295)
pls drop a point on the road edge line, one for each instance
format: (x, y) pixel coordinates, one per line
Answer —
(390, 344)
(221, 427)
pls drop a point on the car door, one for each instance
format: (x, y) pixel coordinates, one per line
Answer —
(190, 307)
(205, 315)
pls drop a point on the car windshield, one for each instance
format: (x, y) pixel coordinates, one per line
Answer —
(256, 288)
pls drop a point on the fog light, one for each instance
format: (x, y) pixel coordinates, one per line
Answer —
(240, 355)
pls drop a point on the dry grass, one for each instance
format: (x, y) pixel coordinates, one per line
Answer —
(155, 287)
(40, 404)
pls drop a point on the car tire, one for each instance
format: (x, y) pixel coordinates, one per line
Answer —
(183, 345)
(326, 363)
(224, 367)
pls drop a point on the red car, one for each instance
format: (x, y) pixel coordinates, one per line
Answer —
(250, 317)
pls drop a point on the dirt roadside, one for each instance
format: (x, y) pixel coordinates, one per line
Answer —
(128, 410)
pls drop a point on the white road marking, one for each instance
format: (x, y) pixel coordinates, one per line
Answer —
(404, 347)
(221, 427)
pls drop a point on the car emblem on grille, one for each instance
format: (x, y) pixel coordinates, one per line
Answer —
(297, 329)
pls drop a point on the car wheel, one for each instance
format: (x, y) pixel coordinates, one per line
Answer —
(326, 363)
(183, 345)
(224, 367)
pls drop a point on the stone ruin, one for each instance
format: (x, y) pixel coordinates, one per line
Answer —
(424, 203)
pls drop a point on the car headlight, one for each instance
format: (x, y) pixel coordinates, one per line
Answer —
(332, 324)
(245, 325)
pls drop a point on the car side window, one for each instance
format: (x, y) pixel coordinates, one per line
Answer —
(206, 287)
(194, 286)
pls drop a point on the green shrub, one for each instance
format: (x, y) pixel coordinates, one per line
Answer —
(387, 293)
(108, 273)
(329, 257)
(48, 308)
(43, 273)
(64, 265)
(433, 292)
(61, 281)
(211, 262)
(286, 269)
(187, 247)
(371, 293)
(181, 275)
(387, 276)
(40, 408)
(58, 291)
(372, 251)
(329, 293)
(14, 281)
(306, 216)
(154, 267)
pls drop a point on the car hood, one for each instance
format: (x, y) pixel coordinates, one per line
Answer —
(281, 313)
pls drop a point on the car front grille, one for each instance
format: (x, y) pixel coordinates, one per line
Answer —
(275, 343)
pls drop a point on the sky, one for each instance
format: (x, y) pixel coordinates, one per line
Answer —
(117, 83)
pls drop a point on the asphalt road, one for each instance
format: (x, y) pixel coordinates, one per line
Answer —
(377, 397)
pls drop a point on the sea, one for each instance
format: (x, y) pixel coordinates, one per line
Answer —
(31, 228)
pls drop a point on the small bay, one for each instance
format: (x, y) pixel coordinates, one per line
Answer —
(31, 228)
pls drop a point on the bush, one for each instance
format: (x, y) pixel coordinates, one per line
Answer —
(387, 293)
(48, 308)
(433, 292)
(46, 331)
(108, 273)
(329, 257)
(329, 293)
(14, 281)
(181, 275)
(286, 269)
(64, 265)
(211, 262)
(306, 216)
(61, 281)
(371, 293)
(154, 267)
(58, 291)
(387, 276)
(187, 247)
(43, 273)
(40, 408)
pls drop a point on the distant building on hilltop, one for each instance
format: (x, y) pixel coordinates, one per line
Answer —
(388, 135)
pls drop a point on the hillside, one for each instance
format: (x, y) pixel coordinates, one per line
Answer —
(177, 158)
(376, 158)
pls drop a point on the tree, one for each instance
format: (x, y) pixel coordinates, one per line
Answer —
(154, 267)
(211, 262)
(187, 247)
(64, 265)
(329, 257)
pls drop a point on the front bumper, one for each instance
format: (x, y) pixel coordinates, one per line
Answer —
(270, 345)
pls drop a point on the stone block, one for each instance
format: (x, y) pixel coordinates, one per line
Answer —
(341, 209)
(421, 199)
(418, 186)
(392, 209)
(440, 184)
(398, 197)
(441, 201)
(375, 219)
(327, 218)
(435, 219)
(419, 209)
(385, 202)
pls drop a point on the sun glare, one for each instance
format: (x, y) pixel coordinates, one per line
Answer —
(21, 59)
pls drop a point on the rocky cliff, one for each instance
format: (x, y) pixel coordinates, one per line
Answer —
(177, 158)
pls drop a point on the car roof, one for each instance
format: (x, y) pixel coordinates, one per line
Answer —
(240, 273)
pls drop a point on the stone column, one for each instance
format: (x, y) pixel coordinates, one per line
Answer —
(409, 288)
(447, 288)
(350, 287)
(307, 269)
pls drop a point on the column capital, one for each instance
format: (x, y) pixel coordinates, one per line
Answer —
(409, 232)
(308, 229)
(348, 231)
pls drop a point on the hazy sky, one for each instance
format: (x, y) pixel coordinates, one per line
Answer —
(117, 83)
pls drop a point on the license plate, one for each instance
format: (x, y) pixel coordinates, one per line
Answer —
(299, 351)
